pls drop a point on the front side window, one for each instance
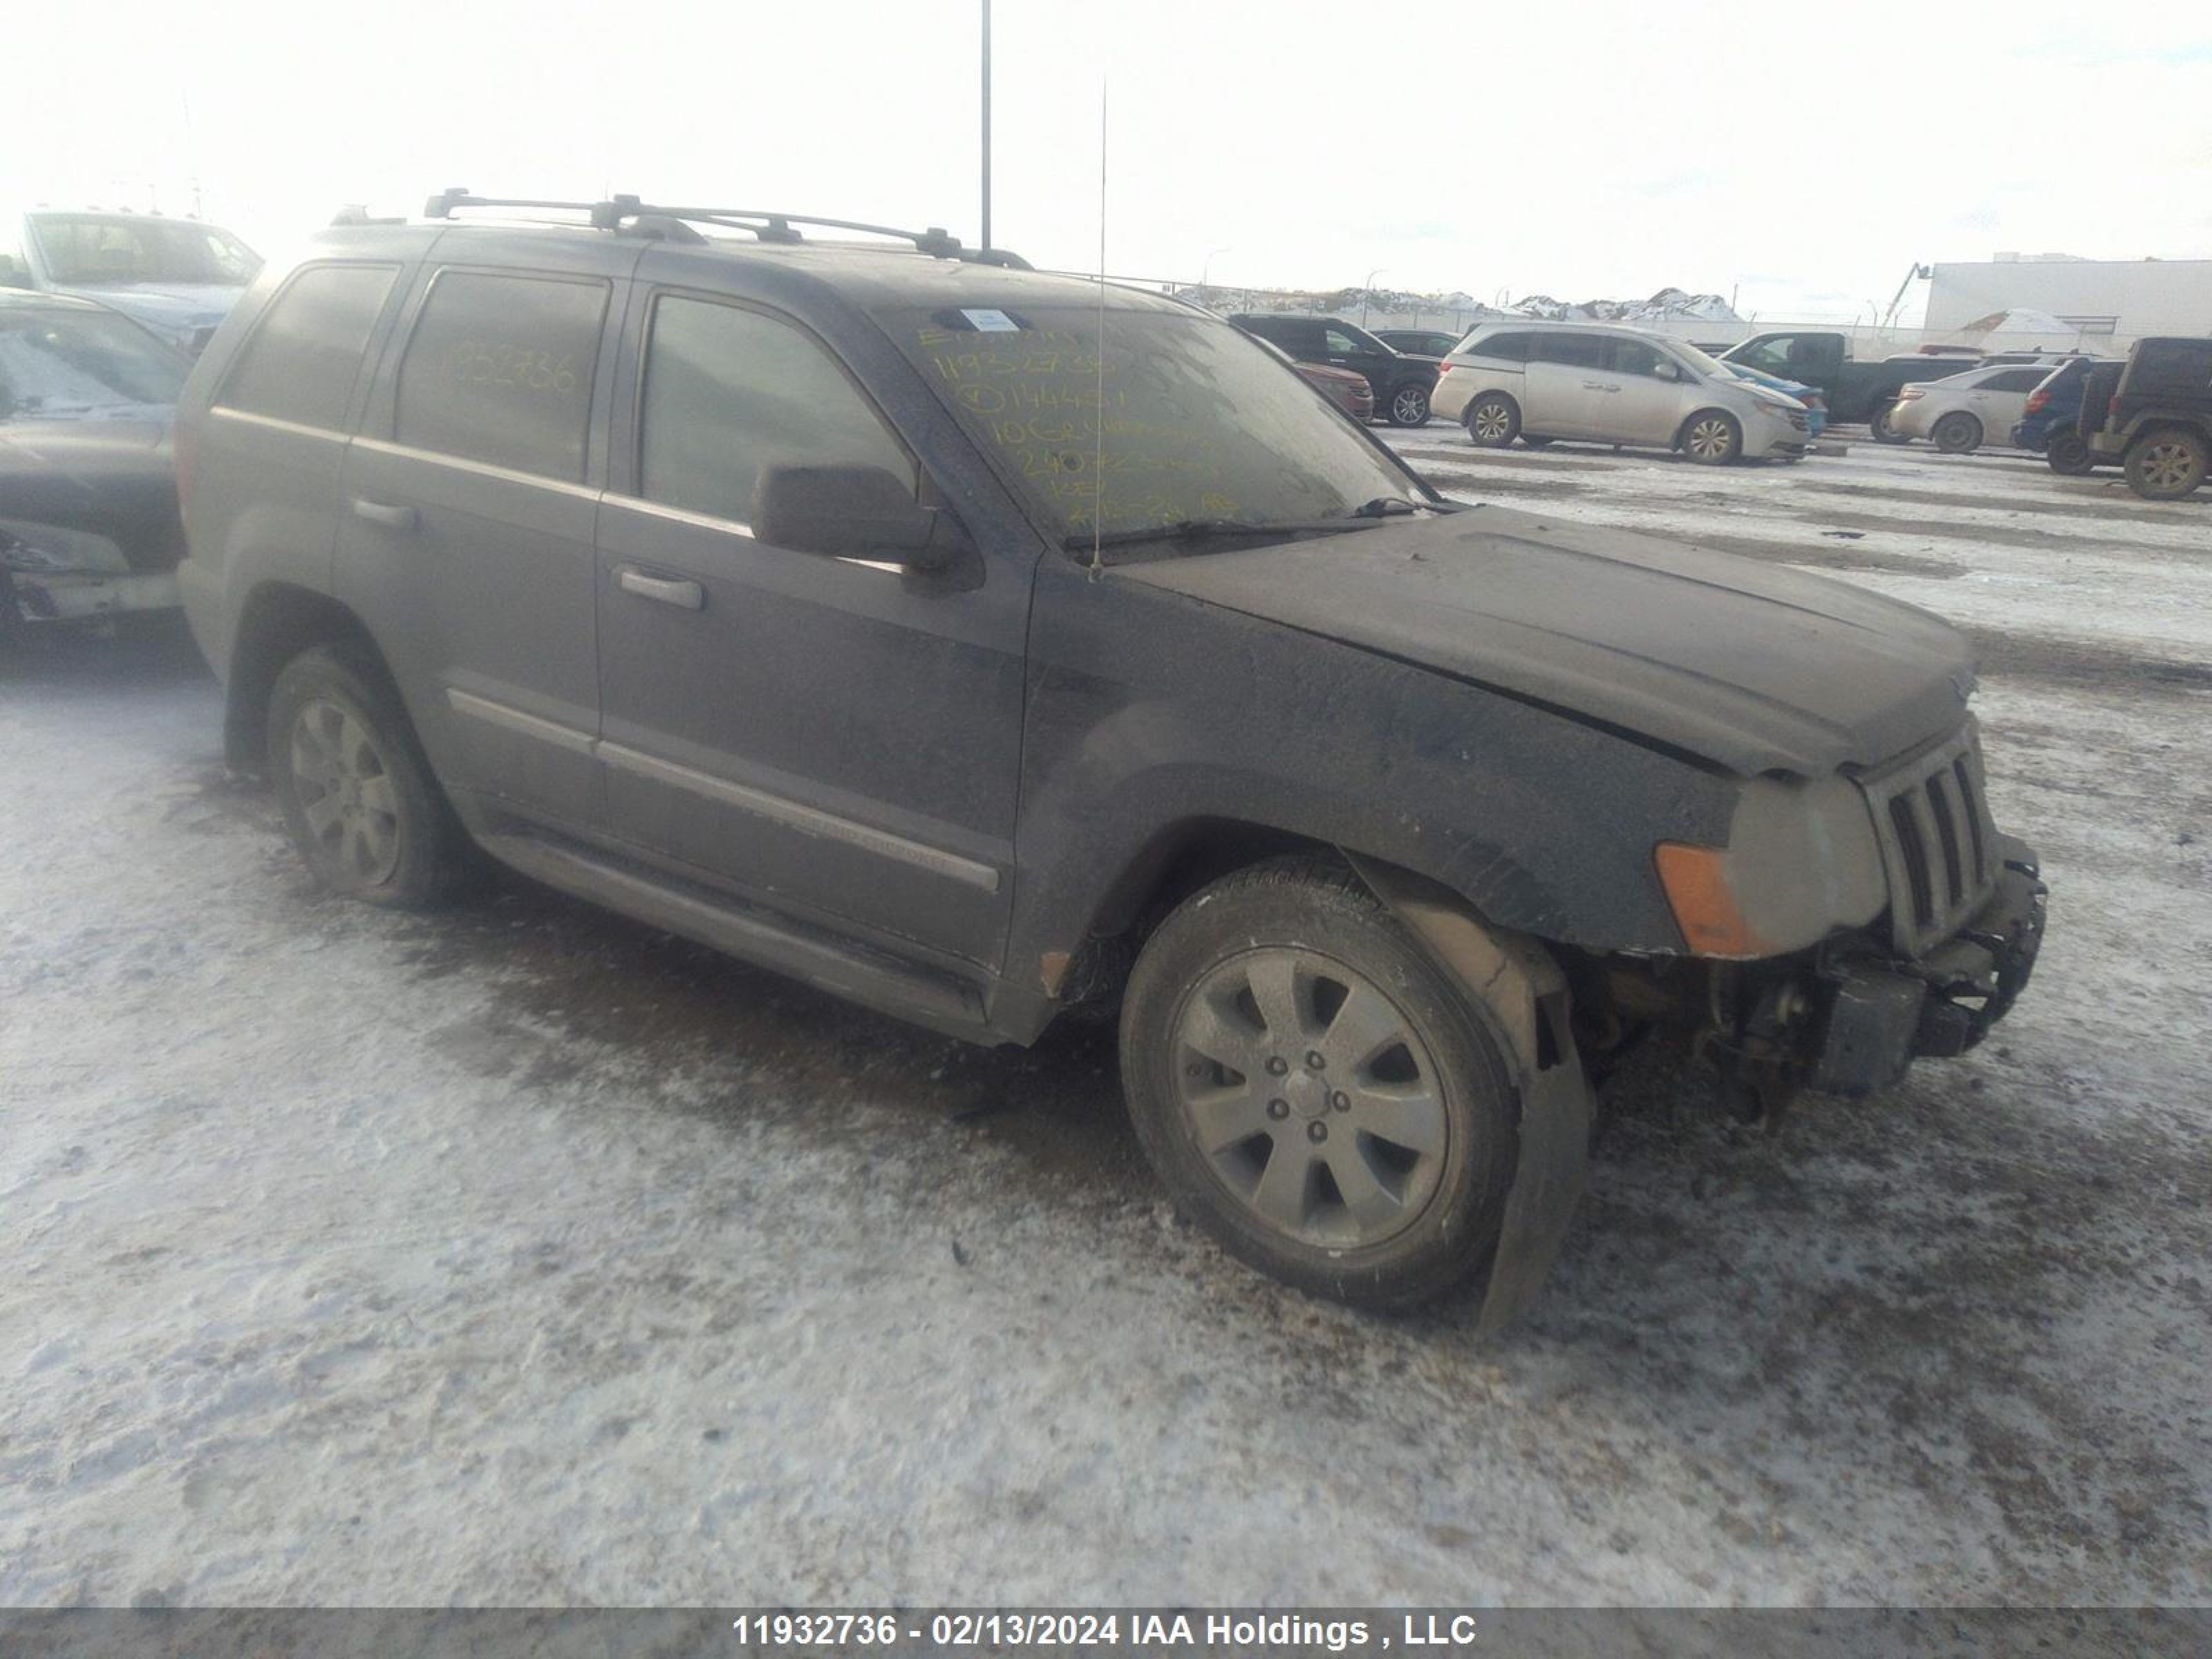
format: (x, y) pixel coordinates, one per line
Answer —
(1164, 419)
(1633, 357)
(72, 365)
(94, 250)
(729, 392)
(500, 371)
(301, 363)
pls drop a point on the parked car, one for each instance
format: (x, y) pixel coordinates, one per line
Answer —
(2157, 421)
(88, 529)
(1816, 406)
(1539, 382)
(2049, 424)
(178, 276)
(1959, 412)
(1401, 385)
(1418, 342)
(793, 598)
(1855, 391)
(1348, 391)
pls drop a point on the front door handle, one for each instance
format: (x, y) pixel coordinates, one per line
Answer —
(390, 515)
(661, 590)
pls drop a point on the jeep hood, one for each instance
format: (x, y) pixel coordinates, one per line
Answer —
(1753, 666)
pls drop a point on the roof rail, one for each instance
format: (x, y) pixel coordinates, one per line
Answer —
(780, 228)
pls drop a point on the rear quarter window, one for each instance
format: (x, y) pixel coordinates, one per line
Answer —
(500, 370)
(301, 363)
(1503, 348)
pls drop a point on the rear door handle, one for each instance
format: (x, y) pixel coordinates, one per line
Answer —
(387, 513)
(662, 590)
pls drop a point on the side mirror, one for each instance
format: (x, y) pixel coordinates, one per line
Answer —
(852, 513)
(1667, 371)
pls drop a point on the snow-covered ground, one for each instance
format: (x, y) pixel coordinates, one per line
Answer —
(523, 1255)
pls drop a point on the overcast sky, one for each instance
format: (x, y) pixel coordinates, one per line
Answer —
(1800, 156)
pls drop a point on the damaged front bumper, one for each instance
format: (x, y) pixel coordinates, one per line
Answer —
(1883, 1011)
(50, 574)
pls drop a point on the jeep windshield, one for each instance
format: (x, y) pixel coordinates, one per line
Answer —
(1180, 432)
(79, 365)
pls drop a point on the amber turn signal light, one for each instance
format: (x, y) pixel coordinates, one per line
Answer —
(1696, 880)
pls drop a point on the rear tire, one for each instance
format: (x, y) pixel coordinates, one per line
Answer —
(356, 792)
(1957, 433)
(1313, 1090)
(1409, 406)
(1879, 422)
(1712, 437)
(1493, 420)
(2167, 462)
(2067, 452)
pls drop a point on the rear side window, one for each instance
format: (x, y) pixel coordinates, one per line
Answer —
(2182, 367)
(500, 371)
(729, 392)
(300, 365)
(2014, 380)
(1581, 350)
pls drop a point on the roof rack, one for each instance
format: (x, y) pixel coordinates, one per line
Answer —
(674, 223)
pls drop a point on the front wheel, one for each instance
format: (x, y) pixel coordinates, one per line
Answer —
(1884, 432)
(1313, 1091)
(355, 788)
(2067, 452)
(1712, 438)
(1409, 406)
(2166, 464)
(1493, 420)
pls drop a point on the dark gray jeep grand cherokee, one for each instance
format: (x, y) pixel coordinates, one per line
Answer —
(982, 645)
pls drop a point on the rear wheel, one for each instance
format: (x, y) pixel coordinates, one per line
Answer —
(1313, 1091)
(1409, 406)
(2167, 464)
(1957, 433)
(1712, 438)
(355, 790)
(2067, 452)
(1493, 420)
(1883, 431)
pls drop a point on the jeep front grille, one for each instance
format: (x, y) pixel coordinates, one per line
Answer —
(1933, 822)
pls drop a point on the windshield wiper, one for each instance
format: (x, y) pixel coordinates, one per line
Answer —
(1201, 530)
(1383, 506)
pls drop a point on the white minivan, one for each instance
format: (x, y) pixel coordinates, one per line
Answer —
(1537, 381)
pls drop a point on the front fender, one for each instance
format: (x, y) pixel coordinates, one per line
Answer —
(1520, 993)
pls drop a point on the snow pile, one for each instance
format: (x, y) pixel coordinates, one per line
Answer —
(1668, 304)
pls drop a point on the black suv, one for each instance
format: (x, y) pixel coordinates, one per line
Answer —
(907, 623)
(1401, 384)
(2158, 423)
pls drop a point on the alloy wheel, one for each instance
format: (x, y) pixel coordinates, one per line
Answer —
(1312, 1099)
(1709, 438)
(1491, 423)
(345, 791)
(1409, 407)
(2167, 466)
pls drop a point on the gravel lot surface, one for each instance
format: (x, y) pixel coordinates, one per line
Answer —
(523, 1255)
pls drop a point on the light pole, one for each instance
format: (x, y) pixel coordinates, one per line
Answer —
(1368, 288)
(1205, 271)
(987, 123)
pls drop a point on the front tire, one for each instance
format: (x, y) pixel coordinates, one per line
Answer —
(1493, 420)
(1313, 1091)
(356, 792)
(1884, 432)
(1957, 433)
(2166, 464)
(1712, 437)
(1409, 406)
(2068, 453)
